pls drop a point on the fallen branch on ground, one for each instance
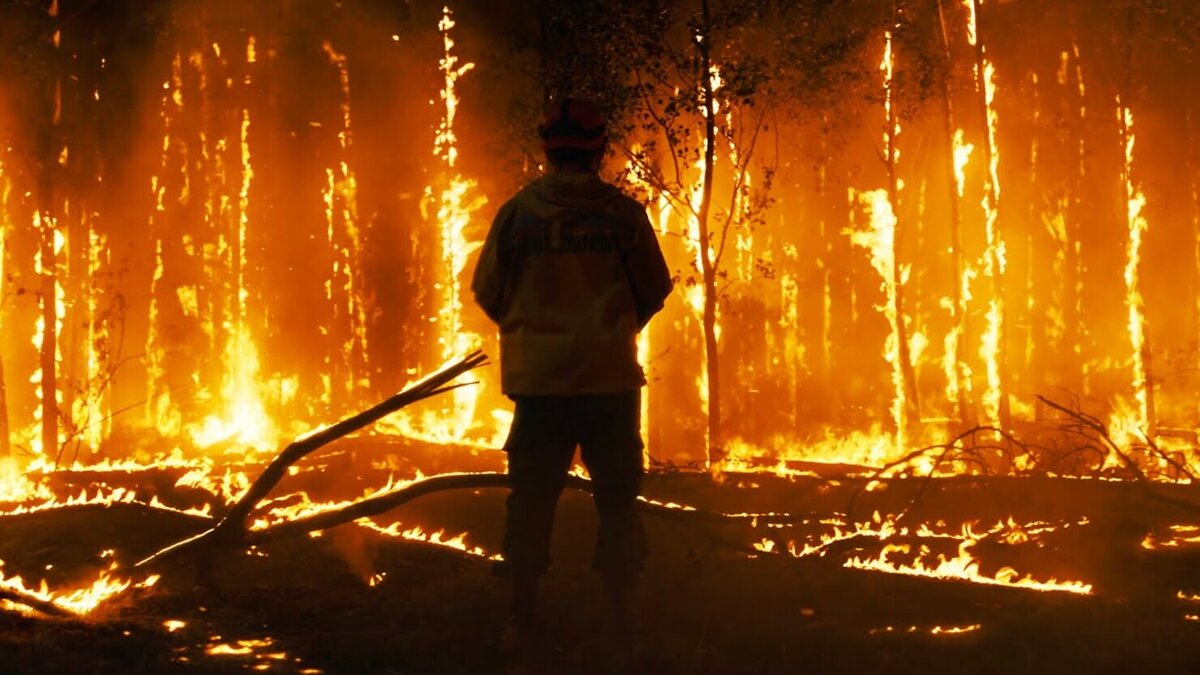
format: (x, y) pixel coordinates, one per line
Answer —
(374, 506)
(232, 528)
(35, 603)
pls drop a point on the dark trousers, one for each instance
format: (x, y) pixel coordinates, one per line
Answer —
(540, 447)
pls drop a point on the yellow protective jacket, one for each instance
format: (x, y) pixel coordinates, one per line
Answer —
(571, 271)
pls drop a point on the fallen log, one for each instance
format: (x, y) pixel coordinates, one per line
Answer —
(232, 528)
(35, 603)
(377, 505)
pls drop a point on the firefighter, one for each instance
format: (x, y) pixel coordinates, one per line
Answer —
(571, 271)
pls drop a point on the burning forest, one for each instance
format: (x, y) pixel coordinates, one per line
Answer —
(925, 396)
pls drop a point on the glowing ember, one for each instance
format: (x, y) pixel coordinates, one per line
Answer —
(932, 630)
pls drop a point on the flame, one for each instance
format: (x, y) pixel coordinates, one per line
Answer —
(90, 411)
(964, 567)
(15, 485)
(452, 205)
(879, 241)
(883, 528)
(862, 448)
(240, 647)
(103, 496)
(304, 506)
(81, 600)
(160, 410)
(244, 420)
(54, 241)
(994, 263)
(891, 128)
(438, 538)
(229, 487)
(5, 191)
(1136, 323)
(1179, 536)
(972, 24)
(342, 190)
(933, 630)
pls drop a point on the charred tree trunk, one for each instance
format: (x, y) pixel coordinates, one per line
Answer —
(1194, 182)
(707, 267)
(48, 139)
(5, 449)
(1073, 284)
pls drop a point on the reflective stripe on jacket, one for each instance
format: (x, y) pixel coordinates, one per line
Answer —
(571, 271)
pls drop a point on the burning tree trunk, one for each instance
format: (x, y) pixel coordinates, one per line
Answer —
(48, 243)
(1135, 201)
(1194, 182)
(957, 377)
(994, 349)
(707, 268)
(1076, 216)
(911, 407)
(5, 450)
(5, 190)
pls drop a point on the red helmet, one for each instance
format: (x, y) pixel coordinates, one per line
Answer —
(571, 123)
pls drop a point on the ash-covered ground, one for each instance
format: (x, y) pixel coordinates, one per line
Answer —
(741, 597)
